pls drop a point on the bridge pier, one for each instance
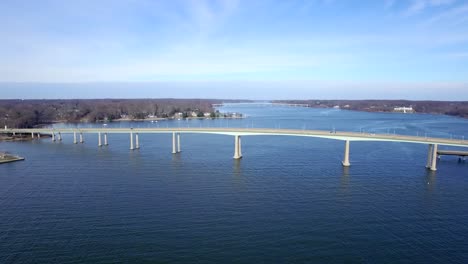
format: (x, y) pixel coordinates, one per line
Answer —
(137, 141)
(59, 136)
(345, 161)
(53, 137)
(81, 138)
(74, 138)
(429, 156)
(237, 147)
(178, 142)
(434, 158)
(32, 135)
(99, 139)
(39, 135)
(174, 143)
(131, 141)
(105, 139)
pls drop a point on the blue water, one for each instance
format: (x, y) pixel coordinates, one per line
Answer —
(288, 200)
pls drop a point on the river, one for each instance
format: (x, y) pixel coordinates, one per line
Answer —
(288, 200)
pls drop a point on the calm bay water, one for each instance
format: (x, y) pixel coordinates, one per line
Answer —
(287, 200)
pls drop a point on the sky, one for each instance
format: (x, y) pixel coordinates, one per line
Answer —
(252, 49)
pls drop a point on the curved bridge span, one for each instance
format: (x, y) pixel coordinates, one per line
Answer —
(238, 132)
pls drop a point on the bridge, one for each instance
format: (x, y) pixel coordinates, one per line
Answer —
(237, 133)
(261, 104)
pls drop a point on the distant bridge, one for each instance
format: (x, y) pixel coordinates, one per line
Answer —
(262, 104)
(102, 133)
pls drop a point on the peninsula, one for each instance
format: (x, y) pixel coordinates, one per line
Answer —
(32, 113)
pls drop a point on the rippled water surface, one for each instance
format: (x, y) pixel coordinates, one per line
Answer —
(288, 200)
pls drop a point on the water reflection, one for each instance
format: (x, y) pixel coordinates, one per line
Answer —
(238, 174)
(430, 180)
(237, 168)
(176, 160)
(344, 181)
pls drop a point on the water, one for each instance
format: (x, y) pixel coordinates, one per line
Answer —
(287, 200)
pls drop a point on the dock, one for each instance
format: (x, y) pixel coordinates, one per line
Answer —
(7, 158)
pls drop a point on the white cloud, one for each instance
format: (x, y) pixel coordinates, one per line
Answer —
(452, 16)
(417, 6)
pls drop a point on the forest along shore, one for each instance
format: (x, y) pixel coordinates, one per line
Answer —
(32, 113)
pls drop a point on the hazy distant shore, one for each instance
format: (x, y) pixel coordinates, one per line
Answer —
(452, 108)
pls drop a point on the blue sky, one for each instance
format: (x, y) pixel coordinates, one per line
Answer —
(412, 49)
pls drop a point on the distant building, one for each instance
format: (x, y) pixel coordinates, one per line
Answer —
(179, 115)
(207, 114)
(194, 114)
(403, 109)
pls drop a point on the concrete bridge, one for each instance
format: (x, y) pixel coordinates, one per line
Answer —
(237, 133)
(261, 104)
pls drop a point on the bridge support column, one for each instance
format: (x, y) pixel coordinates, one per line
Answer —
(429, 156)
(105, 139)
(59, 136)
(32, 135)
(178, 142)
(237, 147)
(137, 141)
(345, 161)
(131, 141)
(99, 139)
(174, 143)
(434, 158)
(53, 137)
(39, 135)
(81, 138)
(74, 138)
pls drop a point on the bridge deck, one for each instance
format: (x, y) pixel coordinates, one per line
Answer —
(338, 135)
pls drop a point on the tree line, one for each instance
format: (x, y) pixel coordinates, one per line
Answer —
(31, 113)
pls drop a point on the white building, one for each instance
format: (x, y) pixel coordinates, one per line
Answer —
(403, 109)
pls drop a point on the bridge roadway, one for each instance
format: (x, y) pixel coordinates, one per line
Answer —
(238, 132)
